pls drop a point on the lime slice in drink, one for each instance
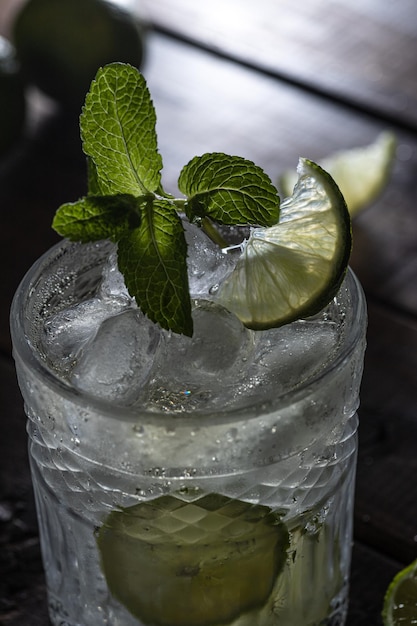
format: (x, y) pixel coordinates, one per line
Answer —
(177, 563)
(361, 173)
(292, 269)
(400, 604)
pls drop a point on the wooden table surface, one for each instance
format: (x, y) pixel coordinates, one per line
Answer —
(269, 81)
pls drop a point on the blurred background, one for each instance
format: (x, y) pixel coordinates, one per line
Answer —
(269, 81)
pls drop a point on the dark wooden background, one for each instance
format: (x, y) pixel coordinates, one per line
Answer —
(270, 80)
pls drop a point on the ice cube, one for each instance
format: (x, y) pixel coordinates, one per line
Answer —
(113, 285)
(286, 357)
(207, 263)
(201, 372)
(117, 361)
(66, 332)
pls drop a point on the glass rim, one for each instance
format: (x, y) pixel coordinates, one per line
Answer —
(24, 349)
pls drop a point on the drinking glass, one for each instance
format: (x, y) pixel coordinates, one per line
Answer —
(186, 481)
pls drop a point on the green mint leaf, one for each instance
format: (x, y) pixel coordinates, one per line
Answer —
(94, 188)
(153, 261)
(229, 190)
(97, 217)
(118, 132)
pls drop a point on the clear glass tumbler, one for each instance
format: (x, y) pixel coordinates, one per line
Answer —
(176, 504)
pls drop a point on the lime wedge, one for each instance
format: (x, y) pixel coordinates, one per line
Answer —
(293, 269)
(400, 604)
(361, 173)
(172, 562)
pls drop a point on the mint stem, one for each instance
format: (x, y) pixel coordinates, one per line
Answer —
(206, 225)
(213, 233)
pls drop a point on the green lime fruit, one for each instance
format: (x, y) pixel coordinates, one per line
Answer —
(177, 563)
(294, 268)
(12, 97)
(62, 43)
(400, 603)
(361, 173)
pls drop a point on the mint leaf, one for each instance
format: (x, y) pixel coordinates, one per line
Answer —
(97, 217)
(118, 132)
(92, 177)
(153, 261)
(230, 190)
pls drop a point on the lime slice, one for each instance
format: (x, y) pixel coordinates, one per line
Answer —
(361, 173)
(400, 604)
(172, 562)
(293, 269)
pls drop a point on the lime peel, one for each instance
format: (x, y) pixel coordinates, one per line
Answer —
(294, 268)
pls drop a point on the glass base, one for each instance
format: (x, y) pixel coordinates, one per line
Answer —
(59, 616)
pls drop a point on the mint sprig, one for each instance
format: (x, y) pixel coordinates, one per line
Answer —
(127, 204)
